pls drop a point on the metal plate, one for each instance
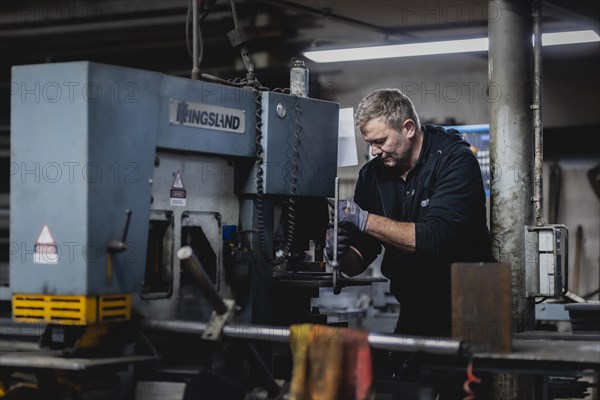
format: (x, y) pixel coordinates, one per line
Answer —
(481, 305)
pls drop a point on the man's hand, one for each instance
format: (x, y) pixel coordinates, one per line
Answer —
(351, 212)
(346, 231)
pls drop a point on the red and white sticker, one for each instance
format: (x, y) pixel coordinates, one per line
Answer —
(178, 193)
(45, 251)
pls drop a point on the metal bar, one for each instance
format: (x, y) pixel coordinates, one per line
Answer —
(282, 335)
(415, 344)
(195, 69)
(190, 262)
(538, 194)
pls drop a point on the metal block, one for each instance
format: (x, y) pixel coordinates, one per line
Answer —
(481, 305)
(551, 312)
(308, 126)
(83, 148)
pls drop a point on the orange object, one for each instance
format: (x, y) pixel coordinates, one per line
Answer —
(330, 363)
(357, 374)
(470, 379)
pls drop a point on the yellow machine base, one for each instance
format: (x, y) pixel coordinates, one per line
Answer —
(71, 310)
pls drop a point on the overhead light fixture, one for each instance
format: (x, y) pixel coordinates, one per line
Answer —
(553, 39)
(432, 48)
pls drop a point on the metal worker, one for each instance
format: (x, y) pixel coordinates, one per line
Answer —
(422, 198)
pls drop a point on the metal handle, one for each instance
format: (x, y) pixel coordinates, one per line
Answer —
(119, 246)
(192, 264)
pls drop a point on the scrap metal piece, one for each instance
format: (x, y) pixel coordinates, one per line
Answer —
(481, 305)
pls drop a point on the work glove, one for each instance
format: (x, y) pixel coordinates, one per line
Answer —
(346, 231)
(351, 212)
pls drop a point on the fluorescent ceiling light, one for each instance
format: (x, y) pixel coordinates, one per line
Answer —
(398, 50)
(431, 48)
(553, 39)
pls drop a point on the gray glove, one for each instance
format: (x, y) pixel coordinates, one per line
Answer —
(346, 231)
(351, 212)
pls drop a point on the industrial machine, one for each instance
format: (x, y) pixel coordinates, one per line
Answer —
(118, 169)
(132, 165)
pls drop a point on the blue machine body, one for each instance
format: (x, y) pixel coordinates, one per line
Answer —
(84, 138)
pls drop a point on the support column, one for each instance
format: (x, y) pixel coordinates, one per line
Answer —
(512, 159)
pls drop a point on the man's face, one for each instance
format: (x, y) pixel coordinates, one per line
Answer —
(391, 146)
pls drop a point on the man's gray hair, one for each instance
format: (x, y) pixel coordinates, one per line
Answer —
(391, 104)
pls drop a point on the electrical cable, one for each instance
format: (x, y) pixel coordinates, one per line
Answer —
(187, 28)
(223, 81)
(260, 218)
(260, 184)
(294, 168)
(237, 37)
(252, 82)
(200, 43)
(234, 14)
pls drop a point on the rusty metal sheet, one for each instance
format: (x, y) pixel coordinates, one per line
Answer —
(481, 305)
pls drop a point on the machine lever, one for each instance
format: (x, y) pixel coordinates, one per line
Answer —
(192, 264)
(119, 246)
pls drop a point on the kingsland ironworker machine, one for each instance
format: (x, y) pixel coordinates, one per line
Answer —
(116, 169)
(136, 194)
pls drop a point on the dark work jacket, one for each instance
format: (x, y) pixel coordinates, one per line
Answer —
(444, 196)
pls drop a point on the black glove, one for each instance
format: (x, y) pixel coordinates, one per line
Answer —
(346, 232)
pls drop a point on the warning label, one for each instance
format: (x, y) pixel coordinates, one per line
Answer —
(45, 251)
(178, 193)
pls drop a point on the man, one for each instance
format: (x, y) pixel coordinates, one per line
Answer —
(422, 198)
